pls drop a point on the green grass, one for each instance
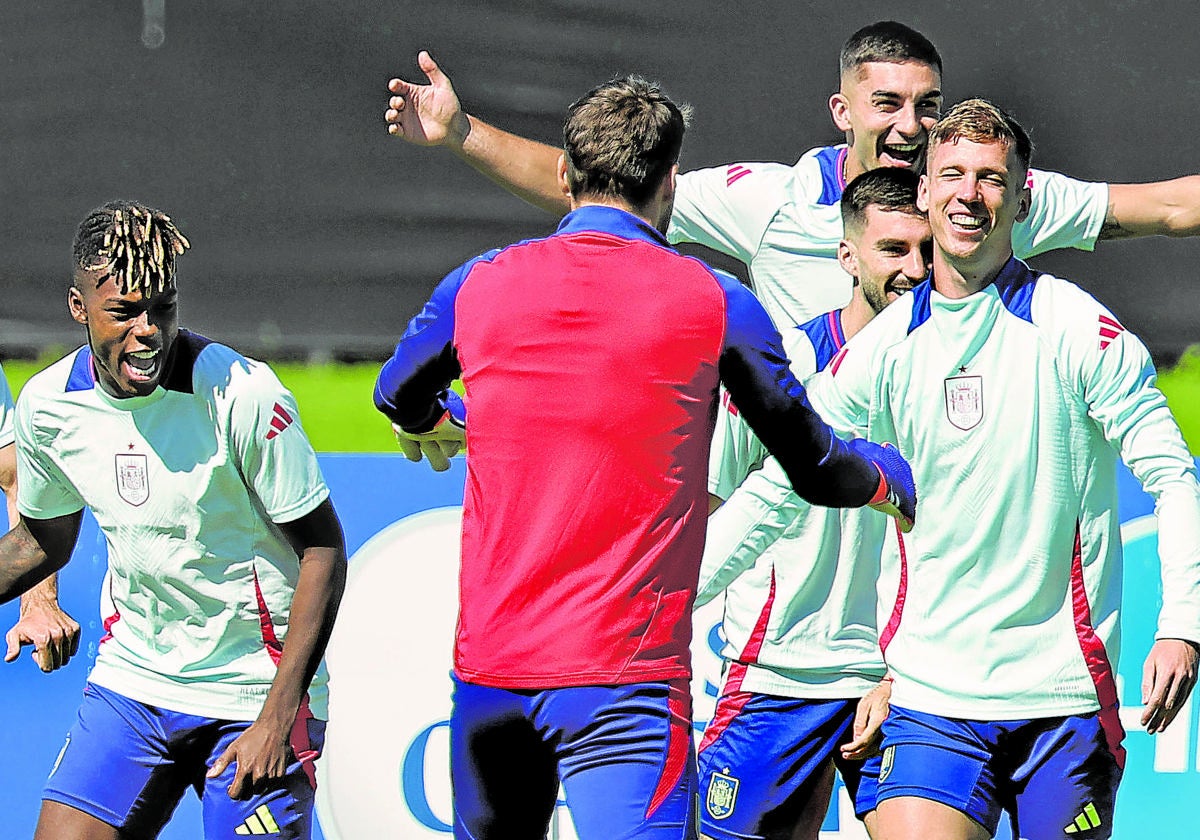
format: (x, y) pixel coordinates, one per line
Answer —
(337, 412)
(335, 402)
(1181, 384)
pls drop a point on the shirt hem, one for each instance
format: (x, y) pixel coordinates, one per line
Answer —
(569, 680)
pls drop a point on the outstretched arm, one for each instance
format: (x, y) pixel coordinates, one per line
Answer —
(431, 115)
(261, 752)
(1162, 208)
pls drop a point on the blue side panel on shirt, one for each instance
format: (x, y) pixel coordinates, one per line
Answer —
(1015, 284)
(81, 378)
(830, 159)
(920, 307)
(825, 334)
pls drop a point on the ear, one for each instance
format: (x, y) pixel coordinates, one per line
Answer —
(561, 172)
(76, 305)
(1026, 203)
(923, 194)
(668, 186)
(839, 109)
(847, 256)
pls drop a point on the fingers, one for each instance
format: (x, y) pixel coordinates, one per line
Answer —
(431, 70)
(902, 522)
(1167, 696)
(410, 447)
(13, 639)
(47, 658)
(218, 766)
(437, 458)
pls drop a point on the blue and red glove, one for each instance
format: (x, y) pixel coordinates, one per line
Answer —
(897, 493)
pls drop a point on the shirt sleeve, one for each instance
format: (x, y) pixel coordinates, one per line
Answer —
(728, 208)
(755, 516)
(1064, 213)
(736, 450)
(412, 384)
(274, 454)
(843, 391)
(820, 466)
(1119, 384)
(43, 489)
(7, 405)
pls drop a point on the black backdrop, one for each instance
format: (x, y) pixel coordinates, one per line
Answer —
(258, 127)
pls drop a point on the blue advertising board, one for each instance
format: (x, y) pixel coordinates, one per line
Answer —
(385, 761)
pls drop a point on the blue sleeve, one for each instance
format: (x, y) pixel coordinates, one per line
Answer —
(755, 369)
(413, 383)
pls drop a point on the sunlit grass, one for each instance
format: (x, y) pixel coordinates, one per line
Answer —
(337, 412)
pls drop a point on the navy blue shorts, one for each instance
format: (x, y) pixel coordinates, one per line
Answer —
(761, 759)
(1057, 776)
(624, 755)
(128, 764)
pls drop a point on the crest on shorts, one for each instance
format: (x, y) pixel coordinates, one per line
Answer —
(886, 766)
(133, 478)
(722, 795)
(964, 401)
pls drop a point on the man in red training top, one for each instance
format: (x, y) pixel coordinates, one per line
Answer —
(580, 560)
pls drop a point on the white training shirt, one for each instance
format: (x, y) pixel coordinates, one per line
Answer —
(784, 223)
(799, 580)
(186, 485)
(1012, 405)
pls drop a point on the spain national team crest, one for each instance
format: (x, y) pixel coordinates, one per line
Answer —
(133, 478)
(722, 795)
(885, 768)
(964, 401)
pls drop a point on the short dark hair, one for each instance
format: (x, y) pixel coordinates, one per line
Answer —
(889, 187)
(890, 42)
(621, 139)
(982, 122)
(131, 242)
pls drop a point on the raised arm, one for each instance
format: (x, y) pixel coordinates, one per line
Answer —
(822, 468)
(431, 115)
(261, 752)
(1162, 208)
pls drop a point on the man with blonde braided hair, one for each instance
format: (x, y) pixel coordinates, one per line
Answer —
(226, 559)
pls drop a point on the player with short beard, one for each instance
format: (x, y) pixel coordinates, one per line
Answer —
(802, 690)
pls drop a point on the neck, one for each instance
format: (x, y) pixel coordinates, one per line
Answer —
(958, 278)
(646, 214)
(856, 314)
(850, 166)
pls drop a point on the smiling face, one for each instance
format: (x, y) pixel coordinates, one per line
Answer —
(886, 110)
(130, 335)
(974, 192)
(889, 254)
